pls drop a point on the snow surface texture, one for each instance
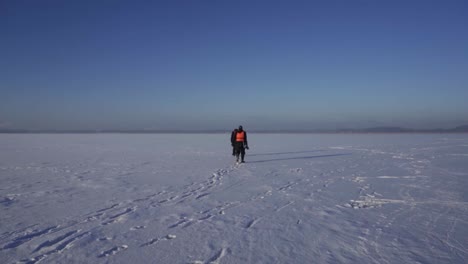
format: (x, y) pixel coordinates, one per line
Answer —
(116, 198)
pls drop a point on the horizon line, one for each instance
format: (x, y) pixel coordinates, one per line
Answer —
(458, 129)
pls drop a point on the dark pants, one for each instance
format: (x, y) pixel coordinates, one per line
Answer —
(239, 150)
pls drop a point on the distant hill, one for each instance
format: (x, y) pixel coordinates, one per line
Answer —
(14, 131)
(460, 129)
(386, 130)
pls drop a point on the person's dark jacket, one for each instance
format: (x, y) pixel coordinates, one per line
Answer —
(233, 137)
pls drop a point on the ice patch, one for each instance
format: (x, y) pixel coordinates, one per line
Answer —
(359, 179)
(400, 177)
(370, 203)
(113, 251)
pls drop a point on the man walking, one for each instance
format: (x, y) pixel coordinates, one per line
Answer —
(240, 144)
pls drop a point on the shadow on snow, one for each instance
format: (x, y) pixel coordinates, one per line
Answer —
(290, 152)
(298, 158)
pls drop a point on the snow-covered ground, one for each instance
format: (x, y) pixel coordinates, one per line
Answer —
(126, 198)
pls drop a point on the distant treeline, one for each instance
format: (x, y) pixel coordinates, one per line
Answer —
(459, 129)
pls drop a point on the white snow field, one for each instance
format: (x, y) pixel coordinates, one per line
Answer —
(160, 198)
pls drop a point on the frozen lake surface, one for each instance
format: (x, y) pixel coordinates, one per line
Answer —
(156, 198)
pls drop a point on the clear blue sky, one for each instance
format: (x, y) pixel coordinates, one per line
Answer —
(217, 64)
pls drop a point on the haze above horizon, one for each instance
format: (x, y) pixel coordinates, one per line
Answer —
(213, 65)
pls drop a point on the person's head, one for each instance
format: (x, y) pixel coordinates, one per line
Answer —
(240, 128)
